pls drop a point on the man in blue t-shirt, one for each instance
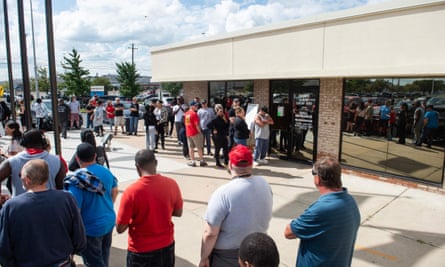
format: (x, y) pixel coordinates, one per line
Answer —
(95, 189)
(431, 123)
(328, 228)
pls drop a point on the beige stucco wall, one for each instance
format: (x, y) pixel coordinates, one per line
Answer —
(404, 38)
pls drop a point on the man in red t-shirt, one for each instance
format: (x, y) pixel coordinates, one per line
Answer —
(109, 109)
(146, 209)
(194, 135)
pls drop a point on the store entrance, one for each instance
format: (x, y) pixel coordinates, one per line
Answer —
(294, 104)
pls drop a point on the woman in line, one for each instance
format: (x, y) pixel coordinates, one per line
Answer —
(220, 133)
(150, 128)
(242, 132)
(12, 128)
(87, 136)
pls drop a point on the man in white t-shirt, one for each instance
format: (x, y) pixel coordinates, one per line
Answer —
(178, 112)
(235, 211)
(75, 113)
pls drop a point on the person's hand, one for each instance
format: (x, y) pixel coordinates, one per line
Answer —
(204, 263)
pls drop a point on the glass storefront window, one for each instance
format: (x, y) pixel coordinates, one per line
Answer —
(224, 92)
(379, 127)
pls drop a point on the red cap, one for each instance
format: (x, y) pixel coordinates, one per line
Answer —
(241, 156)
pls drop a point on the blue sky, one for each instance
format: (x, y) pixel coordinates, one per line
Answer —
(103, 30)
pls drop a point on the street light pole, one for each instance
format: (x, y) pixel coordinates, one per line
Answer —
(25, 71)
(36, 81)
(8, 59)
(52, 72)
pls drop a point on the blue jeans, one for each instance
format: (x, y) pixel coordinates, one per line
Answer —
(89, 121)
(97, 252)
(164, 257)
(261, 147)
(134, 124)
(240, 141)
(206, 135)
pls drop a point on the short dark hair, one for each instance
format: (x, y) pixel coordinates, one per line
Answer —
(329, 171)
(144, 158)
(259, 250)
(34, 138)
(87, 136)
(86, 152)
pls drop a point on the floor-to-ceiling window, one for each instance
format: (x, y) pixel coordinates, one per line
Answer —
(379, 131)
(223, 92)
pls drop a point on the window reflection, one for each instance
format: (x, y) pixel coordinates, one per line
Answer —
(379, 127)
(224, 92)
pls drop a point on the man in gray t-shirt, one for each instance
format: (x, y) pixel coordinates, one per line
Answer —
(235, 210)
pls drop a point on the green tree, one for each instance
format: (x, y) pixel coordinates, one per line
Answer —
(102, 81)
(75, 77)
(173, 88)
(127, 76)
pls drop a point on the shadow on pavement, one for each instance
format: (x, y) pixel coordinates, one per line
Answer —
(118, 258)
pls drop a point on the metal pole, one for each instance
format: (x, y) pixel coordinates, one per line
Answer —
(36, 81)
(24, 58)
(52, 73)
(8, 59)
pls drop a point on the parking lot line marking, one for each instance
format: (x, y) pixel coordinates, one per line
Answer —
(377, 253)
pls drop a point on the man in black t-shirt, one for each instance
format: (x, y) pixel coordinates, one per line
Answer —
(134, 117)
(118, 115)
(63, 111)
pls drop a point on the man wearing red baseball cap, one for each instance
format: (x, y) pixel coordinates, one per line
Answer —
(235, 210)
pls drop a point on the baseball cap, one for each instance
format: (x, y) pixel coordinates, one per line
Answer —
(193, 103)
(241, 156)
(85, 152)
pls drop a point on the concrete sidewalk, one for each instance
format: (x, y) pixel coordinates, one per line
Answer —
(400, 226)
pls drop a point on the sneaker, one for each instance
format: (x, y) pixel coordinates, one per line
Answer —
(256, 163)
(202, 163)
(191, 163)
(263, 161)
(219, 166)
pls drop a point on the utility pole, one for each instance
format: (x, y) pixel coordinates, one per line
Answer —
(132, 52)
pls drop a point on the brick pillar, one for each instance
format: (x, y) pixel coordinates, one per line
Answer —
(329, 117)
(261, 92)
(194, 89)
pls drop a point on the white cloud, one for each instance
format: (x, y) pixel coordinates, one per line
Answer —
(103, 30)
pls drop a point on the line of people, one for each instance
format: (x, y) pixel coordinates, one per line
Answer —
(198, 126)
(82, 221)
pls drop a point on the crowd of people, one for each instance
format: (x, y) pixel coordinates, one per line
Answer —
(72, 205)
(419, 120)
(200, 127)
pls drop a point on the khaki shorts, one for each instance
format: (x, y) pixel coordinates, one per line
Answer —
(196, 141)
(119, 121)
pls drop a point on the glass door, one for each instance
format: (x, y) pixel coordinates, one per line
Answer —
(294, 102)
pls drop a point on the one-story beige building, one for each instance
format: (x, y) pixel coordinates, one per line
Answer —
(310, 71)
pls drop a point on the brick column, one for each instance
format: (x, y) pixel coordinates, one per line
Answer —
(261, 92)
(329, 117)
